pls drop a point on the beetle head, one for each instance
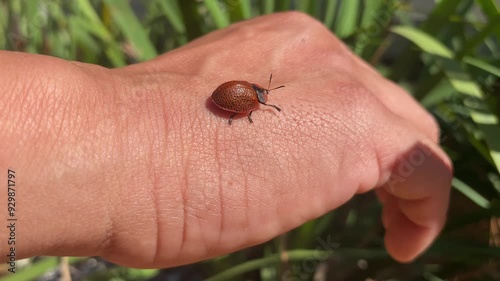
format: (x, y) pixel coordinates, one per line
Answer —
(261, 93)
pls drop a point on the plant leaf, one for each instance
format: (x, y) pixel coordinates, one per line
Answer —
(475, 101)
(127, 22)
(470, 193)
(347, 18)
(483, 65)
(331, 8)
(219, 16)
(424, 41)
(173, 14)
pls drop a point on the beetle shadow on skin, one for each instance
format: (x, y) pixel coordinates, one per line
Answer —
(219, 112)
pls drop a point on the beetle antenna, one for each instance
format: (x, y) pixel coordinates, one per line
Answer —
(269, 86)
(276, 88)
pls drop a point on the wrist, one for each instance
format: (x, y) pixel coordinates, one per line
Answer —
(51, 108)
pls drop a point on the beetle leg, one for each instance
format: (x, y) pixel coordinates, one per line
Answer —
(249, 117)
(231, 118)
(277, 108)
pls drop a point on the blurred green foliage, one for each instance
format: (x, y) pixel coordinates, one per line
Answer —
(448, 58)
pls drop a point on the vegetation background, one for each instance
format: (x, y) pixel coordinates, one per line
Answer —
(448, 58)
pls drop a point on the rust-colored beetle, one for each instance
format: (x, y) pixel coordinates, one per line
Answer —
(242, 97)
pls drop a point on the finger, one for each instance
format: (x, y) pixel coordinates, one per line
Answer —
(415, 199)
(404, 239)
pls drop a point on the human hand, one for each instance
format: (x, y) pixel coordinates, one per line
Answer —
(138, 166)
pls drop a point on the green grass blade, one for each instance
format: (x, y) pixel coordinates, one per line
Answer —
(268, 6)
(432, 46)
(331, 9)
(173, 15)
(82, 30)
(375, 21)
(82, 38)
(245, 267)
(458, 250)
(347, 19)
(37, 269)
(89, 21)
(464, 7)
(129, 25)
(234, 10)
(491, 27)
(471, 217)
(372, 13)
(246, 8)
(283, 5)
(475, 101)
(440, 14)
(220, 18)
(115, 56)
(434, 24)
(31, 10)
(315, 9)
(424, 41)
(189, 10)
(323, 223)
(470, 193)
(303, 5)
(483, 65)
(302, 236)
(238, 9)
(12, 29)
(438, 94)
(491, 10)
(488, 7)
(93, 22)
(4, 19)
(295, 255)
(486, 121)
(309, 7)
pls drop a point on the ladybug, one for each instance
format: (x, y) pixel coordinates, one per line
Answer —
(242, 97)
